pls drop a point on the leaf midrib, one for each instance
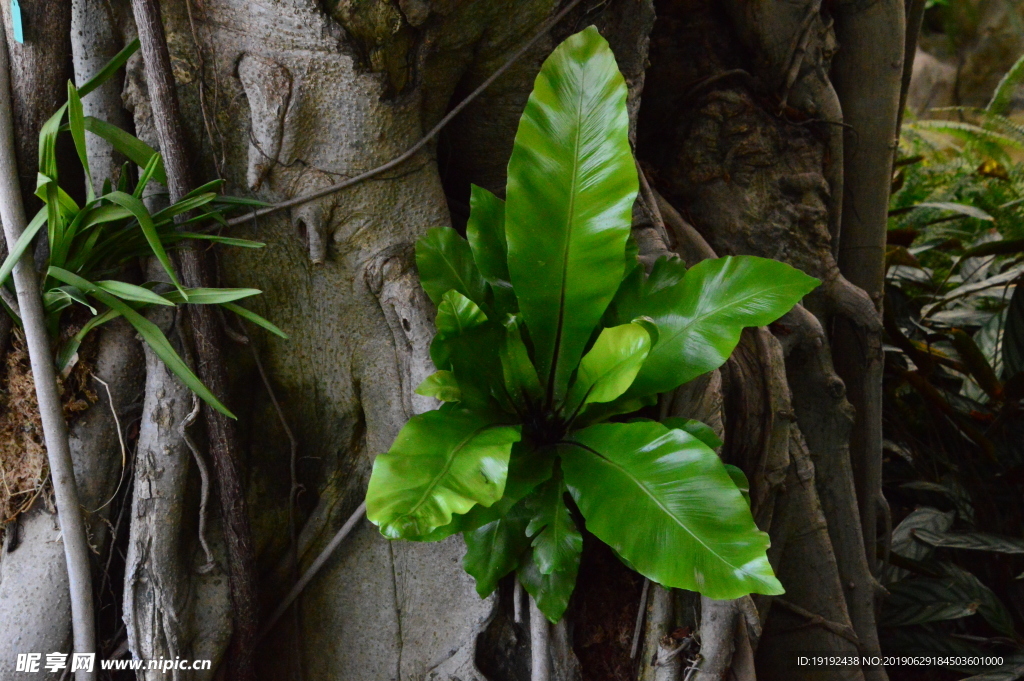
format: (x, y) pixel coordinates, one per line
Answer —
(660, 505)
(553, 526)
(447, 467)
(708, 313)
(456, 274)
(556, 350)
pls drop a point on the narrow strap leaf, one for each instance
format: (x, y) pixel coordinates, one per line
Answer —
(226, 240)
(147, 175)
(104, 74)
(138, 209)
(135, 149)
(126, 291)
(150, 332)
(184, 206)
(76, 123)
(22, 245)
(255, 319)
(212, 296)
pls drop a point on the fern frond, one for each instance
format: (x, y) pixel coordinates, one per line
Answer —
(992, 142)
(1007, 85)
(989, 120)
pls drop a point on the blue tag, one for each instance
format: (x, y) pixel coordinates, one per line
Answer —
(19, 34)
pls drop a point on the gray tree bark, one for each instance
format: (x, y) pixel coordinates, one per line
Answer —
(740, 134)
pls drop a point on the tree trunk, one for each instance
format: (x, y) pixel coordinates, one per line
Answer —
(739, 132)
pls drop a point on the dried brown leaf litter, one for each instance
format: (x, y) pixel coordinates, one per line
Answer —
(23, 465)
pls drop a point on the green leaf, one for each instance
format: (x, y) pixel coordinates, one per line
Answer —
(495, 549)
(528, 467)
(485, 231)
(211, 296)
(67, 352)
(457, 314)
(550, 592)
(255, 319)
(150, 333)
(739, 478)
(904, 544)
(1007, 87)
(56, 300)
(135, 149)
(445, 263)
(571, 187)
(610, 367)
(132, 292)
(955, 594)
(442, 462)
(1012, 670)
(701, 431)
(440, 385)
(111, 67)
(924, 599)
(964, 209)
(688, 525)
(520, 376)
(1013, 334)
(975, 541)
(147, 175)
(989, 605)
(557, 543)
(76, 124)
(22, 244)
(183, 206)
(141, 213)
(225, 240)
(700, 315)
(467, 344)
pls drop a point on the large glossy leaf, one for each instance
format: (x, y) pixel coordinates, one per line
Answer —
(664, 501)
(528, 467)
(700, 315)
(485, 231)
(494, 550)
(442, 462)
(550, 592)
(441, 385)
(456, 315)
(610, 367)
(520, 376)
(445, 263)
(467, 344)
(571, 186)
(701, 431)
(557, 542)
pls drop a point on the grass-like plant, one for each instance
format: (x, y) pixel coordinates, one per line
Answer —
(549, 335)
(94, 241)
